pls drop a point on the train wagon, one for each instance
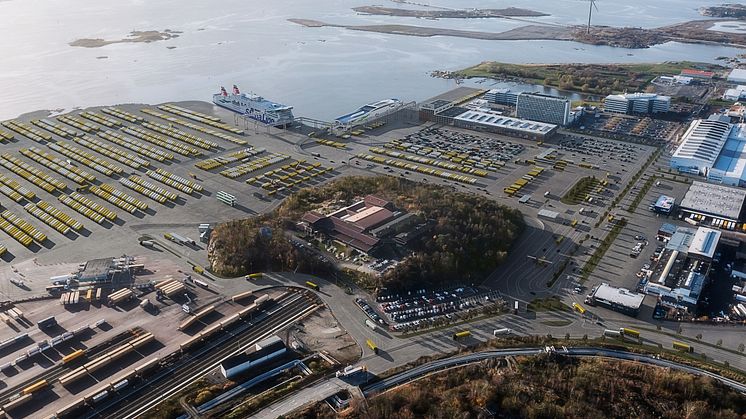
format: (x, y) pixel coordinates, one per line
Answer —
(312, 285)
(679, 346)
(35, 387)
(630, 332)
(372, 346)
(72, 356)
(461, 335)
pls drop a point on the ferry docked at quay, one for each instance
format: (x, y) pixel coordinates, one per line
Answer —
(255, 107)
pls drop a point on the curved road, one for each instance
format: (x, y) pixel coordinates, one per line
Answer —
(442, 364)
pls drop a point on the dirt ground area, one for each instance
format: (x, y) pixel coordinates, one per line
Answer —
(321, 332)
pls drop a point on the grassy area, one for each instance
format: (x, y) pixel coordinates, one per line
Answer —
(576, 195)
(599, 79)
(597, 255)
(547, 304)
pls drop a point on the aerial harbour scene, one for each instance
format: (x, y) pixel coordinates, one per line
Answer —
(407, 209)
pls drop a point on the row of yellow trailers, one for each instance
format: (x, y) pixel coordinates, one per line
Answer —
(50, 210)
(27, 131)
(14, 190)
(122, 114)
(331, 143)
(254, 165)
(180, 135)
(219, 161)
(200, 117)
(58, 165)
(112, 152)
(101, 119)
(430, 161)
(450, 155)
(136, 146)
(195, 127)
(523, 181)
(419, 169)
(32, 174)
(283, 178)
(78, 123)
(85, 158)
(5, 136)
(56, 128)
(167, 143)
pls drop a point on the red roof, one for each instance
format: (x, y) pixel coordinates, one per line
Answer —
(697, 73)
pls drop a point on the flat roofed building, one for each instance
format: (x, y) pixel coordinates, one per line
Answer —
(639, 103)
(486, 120)
(737, 75)
(618, 299)
(730, 166)
(704, 242)
(264, 352)
(501, 96)
(714, 200)
(701, 145)
(664, 204)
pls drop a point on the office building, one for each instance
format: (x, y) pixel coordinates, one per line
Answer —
(543, 108)
(637, 103)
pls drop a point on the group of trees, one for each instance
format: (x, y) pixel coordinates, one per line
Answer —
(553, 387)
(470, 235)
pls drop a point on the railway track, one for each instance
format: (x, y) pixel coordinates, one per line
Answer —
(59, 370)
(192, 366)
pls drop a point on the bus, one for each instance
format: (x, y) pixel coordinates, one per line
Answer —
(312, 285)
(460, 335)
(630, 332)
(372, 346)
(578, 308)
(679, 346)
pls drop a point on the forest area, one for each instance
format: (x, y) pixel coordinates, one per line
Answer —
(471, 235)
(550, 387)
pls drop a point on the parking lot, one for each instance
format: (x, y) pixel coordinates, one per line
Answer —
(647, 130)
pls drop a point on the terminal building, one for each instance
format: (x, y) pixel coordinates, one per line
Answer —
(617, 299)
(637, 103)
(683, 268)
(543, 108)
(490, 121)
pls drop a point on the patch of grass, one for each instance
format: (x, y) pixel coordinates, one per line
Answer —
(577, 194)
(547, 304)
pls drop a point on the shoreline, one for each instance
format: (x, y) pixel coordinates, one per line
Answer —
(692, 32)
